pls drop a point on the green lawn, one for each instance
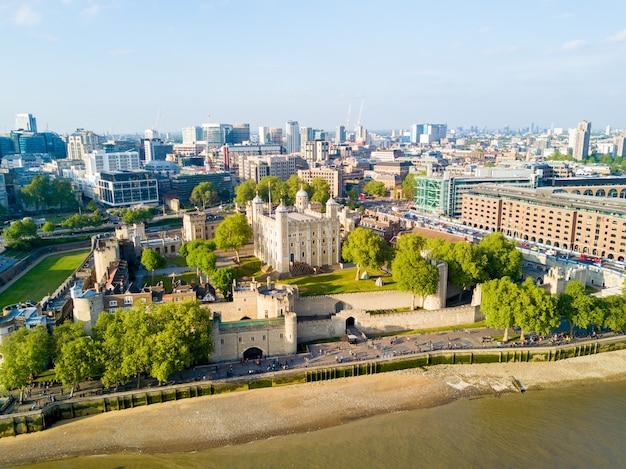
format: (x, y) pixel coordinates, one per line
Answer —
(188, 277)
(177, 260)
(44, 278)
(249, 267)
(342, 281)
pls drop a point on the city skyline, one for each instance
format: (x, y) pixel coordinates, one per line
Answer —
(117, 68)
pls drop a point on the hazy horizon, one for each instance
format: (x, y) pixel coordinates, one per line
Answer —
(112, 66)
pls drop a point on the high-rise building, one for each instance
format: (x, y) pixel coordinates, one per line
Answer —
(360, 135)
(192, 134)
(82, 142)
(580, 147)
(240, 134)
(216, 134)
(316, 150)
(428, 133)
(26, 122)
(293, 137)
(306, 134)
(340, 134)
(620, 149)
(156, 150)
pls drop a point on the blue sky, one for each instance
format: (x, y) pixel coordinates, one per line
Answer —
(110, 65)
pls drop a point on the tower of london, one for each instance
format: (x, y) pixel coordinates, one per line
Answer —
(297, 235)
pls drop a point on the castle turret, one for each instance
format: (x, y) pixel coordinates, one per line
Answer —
(282, 250)
(331, 208)
(302, 200)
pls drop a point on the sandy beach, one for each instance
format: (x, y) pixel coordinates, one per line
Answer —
(195, 424)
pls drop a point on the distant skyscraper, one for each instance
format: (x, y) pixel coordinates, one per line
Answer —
(192, 134)
(620, 145)
(216, 134)
(241, 133)
(306, 134)
(293, 137)
(580, 147)
(340, 134)
(26, 122)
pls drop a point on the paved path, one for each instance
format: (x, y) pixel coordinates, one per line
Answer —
(319, 355)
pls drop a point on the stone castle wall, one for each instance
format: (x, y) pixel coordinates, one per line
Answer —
(331, 304)
(335, 326)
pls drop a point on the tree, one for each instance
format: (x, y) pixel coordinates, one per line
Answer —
(501, 303)
(76, 361)
(466, 265)
(37, 193)
(411, 242)
(25, 355)
(292, 186)
(62, 194)
(109, 335)
(375, 188)
(439, 248)
(140, 215)
(353, 194)
(48, 227)
(152, 260)
(204, 194)
(274, 184)
(245, 192)
(321, 190)
(504, 260)
(194, 323)
(578, 306)
(20, 230)
(233, 233)
(415, 274)
(92, 205)
(365, 249)
(614, 308)
(408, 186)
(201, 256)
(64, 333)
(82, 220)
(538, 312)
(137, 325)
(223, 280)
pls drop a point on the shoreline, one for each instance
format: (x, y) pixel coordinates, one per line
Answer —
(231, 419)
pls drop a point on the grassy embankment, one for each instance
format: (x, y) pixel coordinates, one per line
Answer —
(44, 278)
(342, 281)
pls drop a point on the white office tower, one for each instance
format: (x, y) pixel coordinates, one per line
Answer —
(192, 134)
(26, 122)
(293, 137)
(580, 145)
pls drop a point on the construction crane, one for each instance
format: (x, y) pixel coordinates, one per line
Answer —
(348, 120)
(358, 122)
(155, 122)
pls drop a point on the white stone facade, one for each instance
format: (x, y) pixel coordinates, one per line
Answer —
(296, 235)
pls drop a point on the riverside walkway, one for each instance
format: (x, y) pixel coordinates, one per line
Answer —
(329, 354)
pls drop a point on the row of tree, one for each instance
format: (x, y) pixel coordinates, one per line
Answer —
(468, 264)
(43, 193)
(155, 340)
(507, 304)
(285, 191)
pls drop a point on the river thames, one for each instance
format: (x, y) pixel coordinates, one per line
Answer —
(579, 426)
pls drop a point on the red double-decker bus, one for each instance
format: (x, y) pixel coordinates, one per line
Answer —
(589, 258)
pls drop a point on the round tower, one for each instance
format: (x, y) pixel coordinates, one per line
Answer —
(331, 208)
(280, 259)
(302, 200)
(291, 333)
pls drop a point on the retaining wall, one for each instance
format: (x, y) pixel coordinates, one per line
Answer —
(28, 422)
